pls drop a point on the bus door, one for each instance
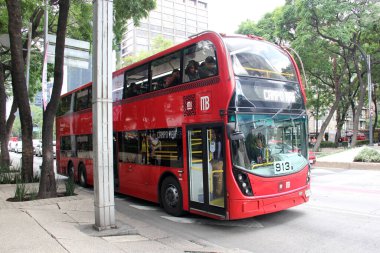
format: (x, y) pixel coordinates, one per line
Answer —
(206, 168)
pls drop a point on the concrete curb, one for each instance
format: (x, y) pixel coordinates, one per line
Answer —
(348, 165)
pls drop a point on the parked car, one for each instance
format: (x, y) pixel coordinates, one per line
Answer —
(38, 149)
(12, 146)
(18, 148)
(35, 143)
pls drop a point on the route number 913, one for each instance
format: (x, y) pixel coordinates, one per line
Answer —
(282, 167)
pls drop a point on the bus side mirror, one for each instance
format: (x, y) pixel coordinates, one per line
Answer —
(233, 134)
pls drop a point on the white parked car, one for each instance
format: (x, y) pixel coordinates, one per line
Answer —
(38, 149)
(18, 148)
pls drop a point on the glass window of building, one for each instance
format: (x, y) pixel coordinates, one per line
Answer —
(202, 19)
(155, 14)
(179, 33)
(180, 27)
(155, 28)
(191, 16)
(202, 13)
(192, 2)
(179, 6)
(167, 18)
(202, 25)
(191, 10)
(202, 5)
(191, 22)
(191, 29)
(179, 20)
(167, 24)
(167, 30)
(167, 3)
(155, 21)
(141, 33)
(142, 41)
(167, 11)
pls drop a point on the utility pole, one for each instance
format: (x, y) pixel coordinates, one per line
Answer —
(44, 66)
(369, 79)
(28, 55)
(102, 115)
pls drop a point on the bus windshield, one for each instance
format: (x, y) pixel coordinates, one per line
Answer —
(273, 145)
(260, 59)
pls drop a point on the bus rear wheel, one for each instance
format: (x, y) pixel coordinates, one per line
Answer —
(82, 176)
(171, 196)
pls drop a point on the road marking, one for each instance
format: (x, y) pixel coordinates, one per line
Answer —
(145, 208)
(247, 223)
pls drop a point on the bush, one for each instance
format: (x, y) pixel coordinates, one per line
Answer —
(327, 144)
(368, 155)
(70, 187)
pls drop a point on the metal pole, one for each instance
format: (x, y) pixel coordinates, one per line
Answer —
(102, 115)
(28, 55)
(44, 67)
(370, 99)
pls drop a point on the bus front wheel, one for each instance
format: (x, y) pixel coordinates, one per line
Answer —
(171, 196)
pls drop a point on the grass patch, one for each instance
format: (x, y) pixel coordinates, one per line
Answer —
(368, 155)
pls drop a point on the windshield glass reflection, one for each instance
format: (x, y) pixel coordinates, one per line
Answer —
(272, 144)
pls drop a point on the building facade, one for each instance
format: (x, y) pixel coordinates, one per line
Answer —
(175, 20)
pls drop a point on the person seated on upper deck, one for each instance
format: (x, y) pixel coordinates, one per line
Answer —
(191, 71)
(132, 90)
(208, 68)
(173, 79)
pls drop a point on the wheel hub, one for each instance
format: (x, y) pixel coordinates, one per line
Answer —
(171, 195)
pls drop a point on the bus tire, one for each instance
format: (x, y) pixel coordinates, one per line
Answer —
(70, 171)
(82, 175)
(171, 196)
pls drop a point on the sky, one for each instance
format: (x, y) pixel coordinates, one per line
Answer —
(224, 16)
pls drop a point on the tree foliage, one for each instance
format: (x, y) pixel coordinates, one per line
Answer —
(159, 44)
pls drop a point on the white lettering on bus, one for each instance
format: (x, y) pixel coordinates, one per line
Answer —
(189, 105)
(280, 96)
(205, 103)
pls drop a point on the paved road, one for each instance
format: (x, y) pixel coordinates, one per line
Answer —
(343, 215)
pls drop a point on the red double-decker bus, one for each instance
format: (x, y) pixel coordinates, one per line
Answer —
(214, 126)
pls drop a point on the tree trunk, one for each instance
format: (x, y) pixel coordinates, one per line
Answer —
(359, 107)
(5, 161)
(19, 87)
(47, 182)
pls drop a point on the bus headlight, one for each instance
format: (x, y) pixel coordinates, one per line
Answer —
(243, 181)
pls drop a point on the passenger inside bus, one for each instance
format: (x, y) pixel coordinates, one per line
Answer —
(173, 79)
(132, 90)
(208, 68)
(191, 71)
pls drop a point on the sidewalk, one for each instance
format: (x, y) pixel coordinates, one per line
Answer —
(345, 160)
(66, 225)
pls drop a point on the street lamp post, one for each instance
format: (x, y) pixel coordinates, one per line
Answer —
(369, 78)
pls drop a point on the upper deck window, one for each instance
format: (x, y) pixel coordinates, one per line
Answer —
(200, 61)
(65, 105)
(166, 71)
(260, 59)
(136, 81)
(83, 99)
